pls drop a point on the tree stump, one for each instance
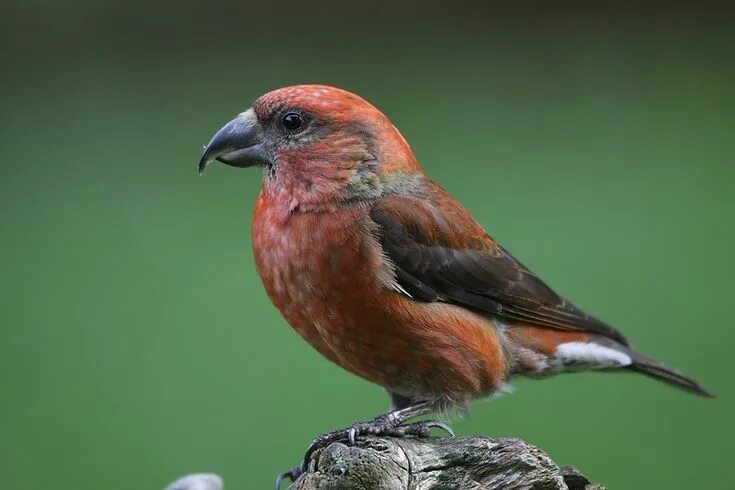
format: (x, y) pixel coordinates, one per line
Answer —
(462, 463)
(451, 463)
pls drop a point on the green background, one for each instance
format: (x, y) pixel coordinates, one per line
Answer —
(136, 341)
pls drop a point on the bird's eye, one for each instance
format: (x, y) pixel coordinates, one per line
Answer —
(292, 121)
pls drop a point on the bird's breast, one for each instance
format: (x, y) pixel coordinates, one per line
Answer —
(321, 270)
(327, 275)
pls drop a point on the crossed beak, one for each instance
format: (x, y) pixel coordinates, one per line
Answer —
(238, 143)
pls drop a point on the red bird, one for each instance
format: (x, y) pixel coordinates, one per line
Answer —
(388, 276)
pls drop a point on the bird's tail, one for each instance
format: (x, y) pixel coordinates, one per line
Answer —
(650, 367)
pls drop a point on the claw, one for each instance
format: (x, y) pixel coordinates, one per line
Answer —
(292, 474)
(280, 478)
(420, 429)
(352, 435)
(440, 425)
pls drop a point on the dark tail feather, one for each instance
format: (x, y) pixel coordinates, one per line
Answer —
(655, 369)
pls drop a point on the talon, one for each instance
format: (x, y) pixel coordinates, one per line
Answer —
(279, 480)
(292, 474)
(352, 435)
(440, 425)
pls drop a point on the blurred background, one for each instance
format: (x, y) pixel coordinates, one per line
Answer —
(136, 342)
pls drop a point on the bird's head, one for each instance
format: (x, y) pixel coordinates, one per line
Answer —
(316, 143)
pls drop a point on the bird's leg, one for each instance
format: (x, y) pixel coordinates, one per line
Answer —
(389, 424)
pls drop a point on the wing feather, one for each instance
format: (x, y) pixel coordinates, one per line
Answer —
(441, 254)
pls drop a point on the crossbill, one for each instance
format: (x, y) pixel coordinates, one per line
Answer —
(388, 276)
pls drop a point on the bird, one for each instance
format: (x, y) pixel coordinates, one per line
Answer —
(385, 274)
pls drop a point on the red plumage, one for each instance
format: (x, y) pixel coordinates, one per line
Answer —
(388, 276)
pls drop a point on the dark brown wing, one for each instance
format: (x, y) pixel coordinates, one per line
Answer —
(441, 254)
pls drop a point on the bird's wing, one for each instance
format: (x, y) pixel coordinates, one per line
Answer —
(441, 254)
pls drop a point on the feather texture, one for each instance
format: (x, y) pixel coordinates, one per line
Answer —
(441, 254)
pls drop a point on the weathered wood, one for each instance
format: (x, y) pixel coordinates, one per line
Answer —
(461, 463)
(470, 463)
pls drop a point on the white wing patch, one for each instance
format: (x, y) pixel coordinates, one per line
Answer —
(400, 289)
(572, 356)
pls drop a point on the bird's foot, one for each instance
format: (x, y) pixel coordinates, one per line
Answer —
(379, 426)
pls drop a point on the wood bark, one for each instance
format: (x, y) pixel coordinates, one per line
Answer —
(461, 463)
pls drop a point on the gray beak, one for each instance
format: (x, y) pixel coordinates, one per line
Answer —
(238, 143)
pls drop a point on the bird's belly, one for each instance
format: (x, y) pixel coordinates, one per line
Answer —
(331, 285)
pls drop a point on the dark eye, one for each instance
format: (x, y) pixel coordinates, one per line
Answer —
(292, 121)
